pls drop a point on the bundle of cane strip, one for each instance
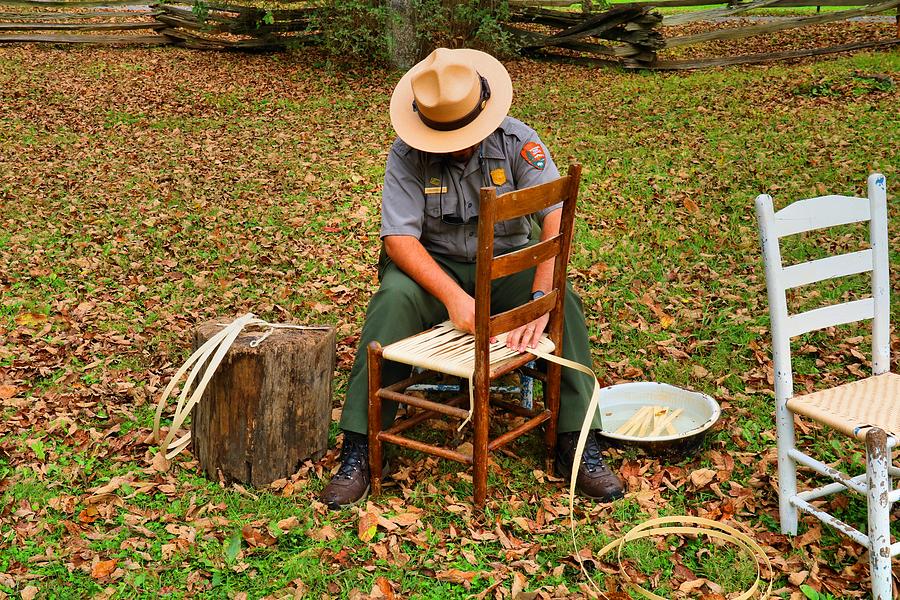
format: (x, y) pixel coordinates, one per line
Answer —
(649, 421)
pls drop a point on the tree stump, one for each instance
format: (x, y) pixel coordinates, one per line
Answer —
(266, 409)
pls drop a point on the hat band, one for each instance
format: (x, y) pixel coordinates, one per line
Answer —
(463, 121)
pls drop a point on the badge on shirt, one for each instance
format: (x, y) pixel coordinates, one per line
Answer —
(435, 181)
(498, 176)
(436, 190)
(534, 155)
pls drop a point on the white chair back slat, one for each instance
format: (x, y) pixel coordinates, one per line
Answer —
(840, 265)
(830, 316)
(819, 213)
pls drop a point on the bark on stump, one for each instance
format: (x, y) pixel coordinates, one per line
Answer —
(266, 409)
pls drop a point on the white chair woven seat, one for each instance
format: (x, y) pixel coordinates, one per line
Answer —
(446, 349)
(853, 408)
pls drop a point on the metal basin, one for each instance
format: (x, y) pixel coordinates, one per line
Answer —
(618, 403)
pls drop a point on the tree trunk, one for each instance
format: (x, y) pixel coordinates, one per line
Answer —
(267, 409)
(404, 42)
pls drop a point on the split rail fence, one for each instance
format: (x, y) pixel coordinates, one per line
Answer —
(631, 35)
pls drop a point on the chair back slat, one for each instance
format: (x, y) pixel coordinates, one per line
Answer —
(518, 203)
(525, 258)
(840, 265)
(529, 200)
(529, 311)
(830, 316)
(819, 213)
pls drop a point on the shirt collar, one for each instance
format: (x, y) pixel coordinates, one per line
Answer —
(493, 146)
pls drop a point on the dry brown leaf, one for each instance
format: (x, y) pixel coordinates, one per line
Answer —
(457, 576)
(160, 463)
(323, 534)
(798, 577)
(702, 477)
(103, 568)
(813, 535)
(288, 523)
(29, 592)
(368, 526)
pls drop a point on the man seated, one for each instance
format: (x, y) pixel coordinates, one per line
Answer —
(450, 113)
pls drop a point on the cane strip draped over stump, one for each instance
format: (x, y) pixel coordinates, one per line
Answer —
(205, 361)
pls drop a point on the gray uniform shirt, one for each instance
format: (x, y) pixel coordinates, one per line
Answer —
(436, 199)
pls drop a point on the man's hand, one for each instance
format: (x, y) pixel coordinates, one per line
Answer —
(462, 311)
(528, 335)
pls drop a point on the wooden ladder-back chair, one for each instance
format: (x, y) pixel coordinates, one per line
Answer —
(867, 410)
(443, 349)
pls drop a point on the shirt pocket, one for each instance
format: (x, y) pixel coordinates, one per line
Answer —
(514, 228)
(434, 227)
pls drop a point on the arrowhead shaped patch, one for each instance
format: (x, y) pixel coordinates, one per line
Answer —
(534, 155)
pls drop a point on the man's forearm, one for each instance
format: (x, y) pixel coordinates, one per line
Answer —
(543, 274)
(410, 255)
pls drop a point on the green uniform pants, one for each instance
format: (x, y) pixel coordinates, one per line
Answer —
(401, 308)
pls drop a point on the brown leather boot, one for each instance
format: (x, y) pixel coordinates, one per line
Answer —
(350, 484)
(594, 479)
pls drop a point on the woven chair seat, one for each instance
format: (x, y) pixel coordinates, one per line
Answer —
(448, 350)
(852, 408)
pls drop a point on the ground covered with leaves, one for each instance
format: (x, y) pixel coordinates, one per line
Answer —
(145, 191)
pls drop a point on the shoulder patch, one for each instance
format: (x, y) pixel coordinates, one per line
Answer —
(534, 155)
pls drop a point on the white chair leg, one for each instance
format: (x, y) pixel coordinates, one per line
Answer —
(787, 470)
(877, 479)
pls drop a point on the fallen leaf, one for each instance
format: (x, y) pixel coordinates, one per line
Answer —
(368, 526)
(29, 592)
(457, 576)
(323, 534)
(288, 523)
(255, 537)
(103, 568)
(160, 463)
(29, 319)
(701, 477)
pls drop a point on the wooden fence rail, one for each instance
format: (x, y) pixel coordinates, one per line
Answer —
(626, 34)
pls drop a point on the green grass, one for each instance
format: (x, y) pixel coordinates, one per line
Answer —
(253, 183)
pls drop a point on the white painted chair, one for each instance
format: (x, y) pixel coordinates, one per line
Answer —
(867, 410)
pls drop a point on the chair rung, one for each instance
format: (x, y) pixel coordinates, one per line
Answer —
(451, 411)
(409, 422)
(516, 409)
(423, 447)
(409, 381)
(826, 471)
(503, 367)
(514, 433)
(856, 535)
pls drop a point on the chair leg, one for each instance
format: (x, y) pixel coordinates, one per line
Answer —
(480, 442)
(375, 458)
(551, 403)
(787, 469)
(877, 482)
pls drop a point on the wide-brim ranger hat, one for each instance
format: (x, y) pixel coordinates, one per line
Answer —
(451, 100)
